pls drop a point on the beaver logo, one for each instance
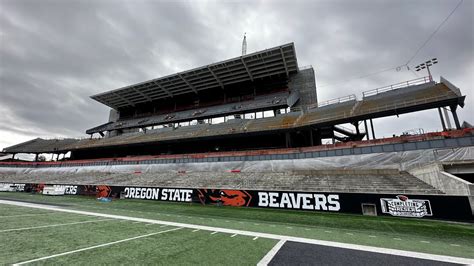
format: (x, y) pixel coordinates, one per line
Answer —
(103, 191)
(97, 191)
(225, 197)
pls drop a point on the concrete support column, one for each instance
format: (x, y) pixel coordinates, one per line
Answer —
(442, 119)
(36, 157)
(373, 131)
(287, 140)
(446, 117)
(366, 130)
(356, 125)
(455, 117)
(317, 140)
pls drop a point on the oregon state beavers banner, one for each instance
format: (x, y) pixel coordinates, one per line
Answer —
(419, 206)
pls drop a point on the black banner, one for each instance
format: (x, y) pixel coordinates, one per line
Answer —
(418, 206)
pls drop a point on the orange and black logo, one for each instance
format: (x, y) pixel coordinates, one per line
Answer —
(225, 197)
(103, 191)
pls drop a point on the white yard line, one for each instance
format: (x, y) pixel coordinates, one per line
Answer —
(261, 235)
(53, 225)
(93, 247)
(265, 260)
(233, 235)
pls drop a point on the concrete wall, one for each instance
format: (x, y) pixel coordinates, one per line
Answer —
(114, 115)
(435, 175)
(305, 82)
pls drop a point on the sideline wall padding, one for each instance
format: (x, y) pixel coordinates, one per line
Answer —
(417, 206)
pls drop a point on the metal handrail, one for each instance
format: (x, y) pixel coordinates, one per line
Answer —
(395, 86)
(305, 67)
(408, 103)
(343, 99)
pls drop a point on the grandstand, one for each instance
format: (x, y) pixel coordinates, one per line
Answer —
(253, 123)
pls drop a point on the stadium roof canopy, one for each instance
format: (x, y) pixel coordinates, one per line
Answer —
(280, 60)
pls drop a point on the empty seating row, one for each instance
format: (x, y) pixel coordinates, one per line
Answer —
(336, 181)
(275, 100)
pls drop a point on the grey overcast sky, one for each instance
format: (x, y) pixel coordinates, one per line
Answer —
(54, 54)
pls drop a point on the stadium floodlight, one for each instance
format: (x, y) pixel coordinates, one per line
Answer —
(427, 65)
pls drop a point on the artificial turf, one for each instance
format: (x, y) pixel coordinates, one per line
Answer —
(182, 246)
(436, 237)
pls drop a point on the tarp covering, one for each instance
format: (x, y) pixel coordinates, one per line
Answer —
(402, 161)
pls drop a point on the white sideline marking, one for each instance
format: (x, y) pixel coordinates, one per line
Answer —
(233, 235)
(389, 251)
(265, 260)
(255, 238)
(195, 230)
(93, 247)
(52, 225)
(213, 233)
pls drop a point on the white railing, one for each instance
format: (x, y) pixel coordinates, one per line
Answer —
(347, 98)
(305, 67)
(395, 86)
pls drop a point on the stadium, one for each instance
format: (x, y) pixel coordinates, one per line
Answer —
(183, 151)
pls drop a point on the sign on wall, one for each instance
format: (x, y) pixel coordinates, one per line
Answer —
(418, 206)
(405, 207)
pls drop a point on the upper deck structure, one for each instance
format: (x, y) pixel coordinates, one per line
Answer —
(225, 106)
(255, 67)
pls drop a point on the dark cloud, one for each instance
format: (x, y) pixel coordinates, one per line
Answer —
(55, 54)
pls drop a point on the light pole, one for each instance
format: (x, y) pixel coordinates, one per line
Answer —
(427, 65)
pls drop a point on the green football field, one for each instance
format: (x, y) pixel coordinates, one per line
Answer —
(46, 236)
